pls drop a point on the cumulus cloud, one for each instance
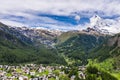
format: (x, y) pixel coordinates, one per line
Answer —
(77, 17)
(63, 7)
(26, 12)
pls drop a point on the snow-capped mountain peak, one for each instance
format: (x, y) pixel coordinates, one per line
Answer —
(94, 20)
(104, 26)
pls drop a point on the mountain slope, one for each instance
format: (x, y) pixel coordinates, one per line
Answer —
(15, 33)
(109, 49)
(78, 45)
(15, 49)
(29, 45)
(66, 35)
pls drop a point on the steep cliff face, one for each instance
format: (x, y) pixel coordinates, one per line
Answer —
(115, 40)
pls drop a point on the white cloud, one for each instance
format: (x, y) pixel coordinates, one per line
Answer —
(64, 7)
(12, 23)
(77, 17)
(114, 25)
(57, 7)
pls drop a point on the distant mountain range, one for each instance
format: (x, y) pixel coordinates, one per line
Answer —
(22, 44)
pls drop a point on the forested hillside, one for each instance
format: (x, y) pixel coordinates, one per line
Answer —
(14, 50)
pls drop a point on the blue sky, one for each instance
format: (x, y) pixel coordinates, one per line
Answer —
(56, 14)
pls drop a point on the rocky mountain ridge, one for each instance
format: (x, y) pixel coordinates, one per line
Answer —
(49, 38)
(39, 36)
(97, 26)
(33, 35)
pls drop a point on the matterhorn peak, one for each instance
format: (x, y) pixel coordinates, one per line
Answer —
(94, 20)
(104, 26)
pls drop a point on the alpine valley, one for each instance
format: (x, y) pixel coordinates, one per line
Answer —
(98, 44)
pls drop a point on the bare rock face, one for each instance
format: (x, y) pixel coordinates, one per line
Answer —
(119, 42)
(114, 41)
